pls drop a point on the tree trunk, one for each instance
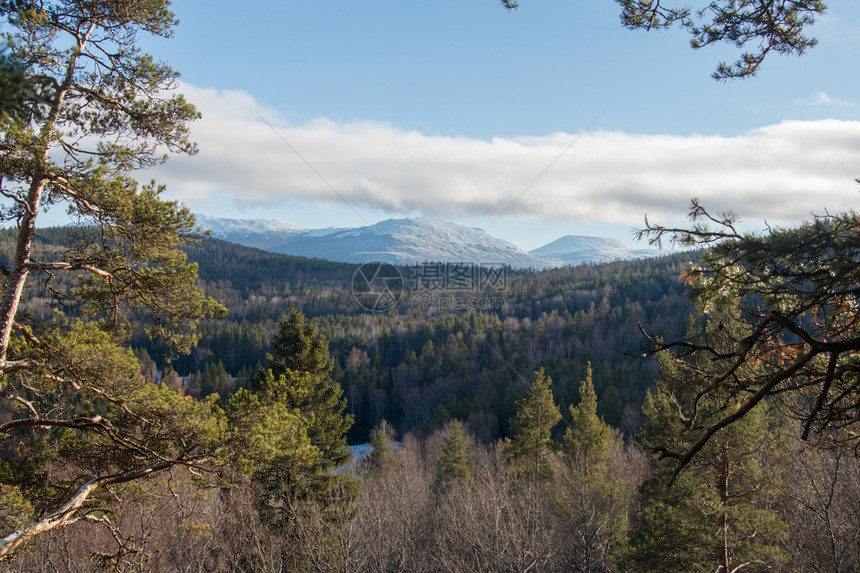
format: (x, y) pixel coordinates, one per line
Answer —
(17, 276)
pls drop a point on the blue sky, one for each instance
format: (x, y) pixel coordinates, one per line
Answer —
(453, 109)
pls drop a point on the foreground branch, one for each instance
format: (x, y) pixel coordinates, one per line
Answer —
(63, 514)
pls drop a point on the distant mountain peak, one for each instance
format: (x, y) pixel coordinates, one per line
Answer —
(578, 249)
(226, 226)
(258, 233)
(409, 241)
(578, 242)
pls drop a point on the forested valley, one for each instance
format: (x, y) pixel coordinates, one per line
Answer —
(418, 368)
(510, 439)
(170, 402)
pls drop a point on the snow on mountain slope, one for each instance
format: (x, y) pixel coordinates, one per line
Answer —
(577, 249)
(258, 233)
(409, 241)
(413, 241)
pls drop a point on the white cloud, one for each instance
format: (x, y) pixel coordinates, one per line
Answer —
(822, 99)
(781, 173)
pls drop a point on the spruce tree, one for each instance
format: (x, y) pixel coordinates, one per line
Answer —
(589, 439)
(530, 445)
(297, 378)
(298, 346)
(454, 465)
(380, 460)
(592, 504)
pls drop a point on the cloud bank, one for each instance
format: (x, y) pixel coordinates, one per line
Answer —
(782, 173)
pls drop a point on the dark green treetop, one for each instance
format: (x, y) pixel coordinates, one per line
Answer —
(297, 382)
(298, 346)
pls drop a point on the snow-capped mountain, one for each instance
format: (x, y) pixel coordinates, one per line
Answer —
(258, 233)
(406, 242)
(577, 249)
(413, 241)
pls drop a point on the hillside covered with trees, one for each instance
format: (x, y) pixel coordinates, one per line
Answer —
(170, 402)
(419, 367)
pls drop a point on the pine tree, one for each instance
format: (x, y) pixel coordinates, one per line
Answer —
(592, 504)
(530, 445)
(454, 465)
(719, 513)
(90, 108)
(787, 301)
(758, 28)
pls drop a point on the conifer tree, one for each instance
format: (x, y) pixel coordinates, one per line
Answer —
(380, 459)
(719, 514)
(592, 504)
(762, 27)
(530, 445)
(298, 378)
(78, 416)
(787, 299)
(454, 465)
(589, 439)
(298, 346)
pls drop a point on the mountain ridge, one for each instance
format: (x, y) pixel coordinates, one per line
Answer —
(410, 241)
